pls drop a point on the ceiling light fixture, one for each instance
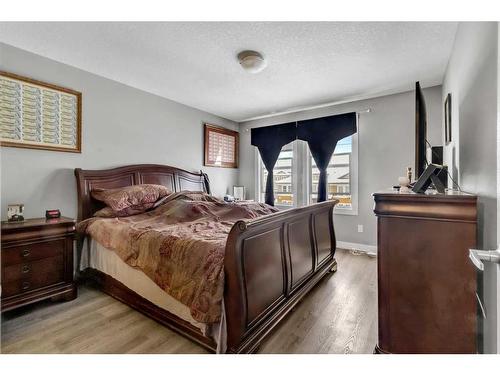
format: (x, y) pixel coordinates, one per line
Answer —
(252, 61)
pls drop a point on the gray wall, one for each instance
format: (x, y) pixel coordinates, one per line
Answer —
(386, 148)
(121, 125)
(471, 78)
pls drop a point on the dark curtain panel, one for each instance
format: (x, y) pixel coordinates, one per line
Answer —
(269, 140)
(322, 135)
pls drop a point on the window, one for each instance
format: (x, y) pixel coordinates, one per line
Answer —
(283, 176)
(339, 177)
(296, 176)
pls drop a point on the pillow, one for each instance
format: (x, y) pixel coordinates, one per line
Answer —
(131, 200)
(108, 212)
(105, 212)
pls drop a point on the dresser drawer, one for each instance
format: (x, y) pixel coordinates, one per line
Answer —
(49, 271)
(34, 251)
(27, 270)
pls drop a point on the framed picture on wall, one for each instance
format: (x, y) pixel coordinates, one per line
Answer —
(221, 147)
(39, 115)
(447, 119)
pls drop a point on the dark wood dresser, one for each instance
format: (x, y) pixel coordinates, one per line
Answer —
(426, 282)
(37, 261)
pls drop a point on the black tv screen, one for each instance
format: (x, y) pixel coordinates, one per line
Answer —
(420, 132)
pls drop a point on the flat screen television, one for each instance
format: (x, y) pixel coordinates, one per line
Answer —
(420, 132)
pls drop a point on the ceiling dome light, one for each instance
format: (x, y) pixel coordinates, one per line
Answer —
(252, 61)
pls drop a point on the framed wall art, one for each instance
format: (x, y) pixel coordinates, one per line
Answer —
(447, 119)
(221, 147)
(39, 115)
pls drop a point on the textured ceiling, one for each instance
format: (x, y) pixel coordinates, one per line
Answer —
(194, 63)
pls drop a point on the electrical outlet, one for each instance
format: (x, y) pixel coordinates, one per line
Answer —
(360, 228)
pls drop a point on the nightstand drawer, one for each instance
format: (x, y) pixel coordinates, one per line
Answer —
(34, 251)
(52, 274)
(27, 270)
(36, 261)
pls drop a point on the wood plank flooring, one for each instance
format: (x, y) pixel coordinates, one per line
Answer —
(338, 316)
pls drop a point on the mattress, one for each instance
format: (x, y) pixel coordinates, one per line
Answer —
(96, 256)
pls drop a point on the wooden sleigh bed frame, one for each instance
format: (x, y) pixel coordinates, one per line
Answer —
(270, 262)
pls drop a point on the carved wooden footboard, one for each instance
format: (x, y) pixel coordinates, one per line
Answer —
(270, 264)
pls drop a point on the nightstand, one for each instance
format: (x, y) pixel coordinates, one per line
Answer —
(37, 261)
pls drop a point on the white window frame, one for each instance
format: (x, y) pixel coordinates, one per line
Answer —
(353, 179)
(301, 166)
(259, 165)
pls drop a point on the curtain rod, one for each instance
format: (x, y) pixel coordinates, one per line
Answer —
(367, 110)
(299, 109)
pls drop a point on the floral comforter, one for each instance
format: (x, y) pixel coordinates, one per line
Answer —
(179, 245)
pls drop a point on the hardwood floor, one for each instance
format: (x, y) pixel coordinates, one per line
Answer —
(338, 316)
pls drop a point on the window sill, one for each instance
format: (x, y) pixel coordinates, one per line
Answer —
(345, 211)
(281, 207)
(337, 211)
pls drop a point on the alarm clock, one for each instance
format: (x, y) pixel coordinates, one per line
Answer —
(52, 214)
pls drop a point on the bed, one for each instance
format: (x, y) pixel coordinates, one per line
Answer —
(269, 264)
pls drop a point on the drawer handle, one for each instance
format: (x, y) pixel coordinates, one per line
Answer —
(26, 285)
(26, 253)
(26, 269)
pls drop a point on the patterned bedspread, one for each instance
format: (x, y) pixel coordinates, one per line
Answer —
(179, 245)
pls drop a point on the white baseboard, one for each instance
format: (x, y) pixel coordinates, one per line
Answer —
(369, 249)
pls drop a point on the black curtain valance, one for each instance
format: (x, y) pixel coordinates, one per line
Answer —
(321, 134)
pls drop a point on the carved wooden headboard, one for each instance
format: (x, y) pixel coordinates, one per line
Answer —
(173, 178)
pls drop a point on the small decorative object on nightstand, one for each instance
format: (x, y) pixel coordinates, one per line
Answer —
(37, 261)
(239, 193)
(15, 212)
